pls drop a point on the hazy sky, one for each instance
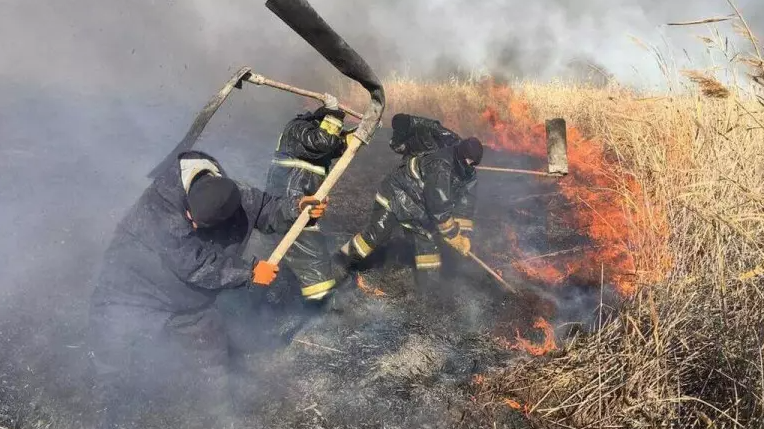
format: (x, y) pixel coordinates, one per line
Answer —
(170, 45)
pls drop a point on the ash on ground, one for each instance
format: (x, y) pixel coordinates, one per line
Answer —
(403, 358)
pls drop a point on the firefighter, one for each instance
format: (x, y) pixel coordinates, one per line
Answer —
(432, 197)
(152, 311)
(306, 148)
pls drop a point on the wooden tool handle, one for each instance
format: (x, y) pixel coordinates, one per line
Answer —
(331, 179)
(261, 80)
(493, 273)
(513, 170)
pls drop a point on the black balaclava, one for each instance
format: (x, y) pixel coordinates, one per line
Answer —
(470, 148)
(212, 200)
(401, 124)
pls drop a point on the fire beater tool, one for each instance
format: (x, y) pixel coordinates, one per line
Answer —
(306, 22)
(203, 117)
(557, 152)
(509, 287)
(262, 80)
(493, 273)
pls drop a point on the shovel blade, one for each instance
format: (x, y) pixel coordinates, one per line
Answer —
(557, 146)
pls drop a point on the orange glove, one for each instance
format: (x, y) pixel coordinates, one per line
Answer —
(318, 209)
(264, 273)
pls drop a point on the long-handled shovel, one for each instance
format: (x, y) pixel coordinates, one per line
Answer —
(557, 152)
(306, 22)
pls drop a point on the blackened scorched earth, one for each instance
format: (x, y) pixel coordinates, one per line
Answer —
(402, 360)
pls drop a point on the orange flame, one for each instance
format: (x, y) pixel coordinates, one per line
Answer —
(511, 403)
(607, 205)
(369, 290)
(537, 350)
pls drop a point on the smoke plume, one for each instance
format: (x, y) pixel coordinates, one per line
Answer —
(94, 93)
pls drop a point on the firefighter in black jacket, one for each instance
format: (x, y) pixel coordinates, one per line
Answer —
(306, 148)
(153, 310)
(432, 196)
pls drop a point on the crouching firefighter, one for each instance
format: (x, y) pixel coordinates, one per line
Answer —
(432, 197)
(153, 323)
(306, 148)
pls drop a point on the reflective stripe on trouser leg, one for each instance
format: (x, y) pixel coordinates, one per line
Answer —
(427, 262)
(317, 291)
(427, 253)
(379, 229)
(310, 261)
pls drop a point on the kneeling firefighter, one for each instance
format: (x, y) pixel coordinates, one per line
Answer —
(153, 319)
(306, 148)
(431, 194)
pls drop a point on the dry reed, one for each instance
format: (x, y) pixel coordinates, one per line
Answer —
(687, 350)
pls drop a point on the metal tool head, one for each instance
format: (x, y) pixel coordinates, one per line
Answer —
(557, 147)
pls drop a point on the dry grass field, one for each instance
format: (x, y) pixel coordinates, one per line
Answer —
(670, 189)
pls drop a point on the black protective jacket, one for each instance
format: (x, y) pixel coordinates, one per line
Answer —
(426, 135)
(303, 157)
(431, 190)
(157, 260)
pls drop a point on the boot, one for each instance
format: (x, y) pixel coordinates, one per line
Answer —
(347, 297)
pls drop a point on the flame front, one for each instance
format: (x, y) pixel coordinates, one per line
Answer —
(601, 203)
(547, 346)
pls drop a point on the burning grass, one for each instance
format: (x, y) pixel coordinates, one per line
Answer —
(669, 192)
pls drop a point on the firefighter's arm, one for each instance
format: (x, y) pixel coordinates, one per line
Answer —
(464, 212)
(440, 205)
(437, 197)
(271, 214)
(206, 265)
(318, 141)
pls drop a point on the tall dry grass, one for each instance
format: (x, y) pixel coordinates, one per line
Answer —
(688, 349)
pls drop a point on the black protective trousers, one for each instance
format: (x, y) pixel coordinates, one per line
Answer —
(310, 260)
(427, 258)
(152, 363)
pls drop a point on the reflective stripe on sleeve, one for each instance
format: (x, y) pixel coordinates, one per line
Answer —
(384, 202)
(465, 224)
(297, 163)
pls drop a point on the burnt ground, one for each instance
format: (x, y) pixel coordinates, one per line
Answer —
(402, 360)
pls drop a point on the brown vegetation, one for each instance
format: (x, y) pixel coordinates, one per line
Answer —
(686, 348)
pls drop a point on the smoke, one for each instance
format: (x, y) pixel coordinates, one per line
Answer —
(94, 93)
